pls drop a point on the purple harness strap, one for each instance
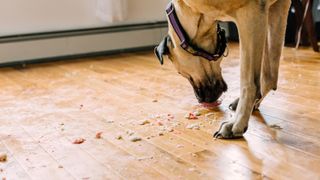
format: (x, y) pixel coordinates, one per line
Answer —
(221, 45)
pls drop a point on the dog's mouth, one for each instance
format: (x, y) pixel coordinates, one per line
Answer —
(209, 92)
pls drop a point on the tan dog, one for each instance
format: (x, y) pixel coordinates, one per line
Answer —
(261, 25)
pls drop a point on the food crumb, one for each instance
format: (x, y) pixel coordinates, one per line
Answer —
(155, 100)
(110, 121)
(159, 123)
(135, 139)
(191, 116)
(129, 132)
(179, 146)
(160, 133)
(144, 122)
(170, 129)
(60, 167)
(3, 157)
(119, 137)
(197, 113)
(79, 141)
(193, 126)
(99, 135)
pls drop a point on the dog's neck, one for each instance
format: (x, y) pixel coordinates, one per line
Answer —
(201, 30)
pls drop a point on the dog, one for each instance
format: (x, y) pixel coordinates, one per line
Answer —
(194, 46)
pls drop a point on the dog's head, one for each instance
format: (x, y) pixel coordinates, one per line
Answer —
(205, 76)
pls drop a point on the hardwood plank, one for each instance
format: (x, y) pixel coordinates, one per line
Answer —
(86, 94)
(11, 169)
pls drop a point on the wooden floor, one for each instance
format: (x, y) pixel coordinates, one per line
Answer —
(44, 108)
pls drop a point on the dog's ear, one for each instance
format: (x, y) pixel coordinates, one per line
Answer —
(162, 49)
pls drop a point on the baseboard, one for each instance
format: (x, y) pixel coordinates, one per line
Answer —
(54, 45)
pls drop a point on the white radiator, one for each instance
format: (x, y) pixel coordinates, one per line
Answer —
(37, 47)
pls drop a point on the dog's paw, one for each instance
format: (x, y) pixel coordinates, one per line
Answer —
(229, 130)
(233, 106)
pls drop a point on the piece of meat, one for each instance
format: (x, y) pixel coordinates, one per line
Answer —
(79, 141)
(191, 116)
(3, 157)
(99, 135)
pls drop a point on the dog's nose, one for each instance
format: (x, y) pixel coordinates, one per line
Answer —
(210, 92)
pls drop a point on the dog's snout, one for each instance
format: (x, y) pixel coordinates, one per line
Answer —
(210, 91)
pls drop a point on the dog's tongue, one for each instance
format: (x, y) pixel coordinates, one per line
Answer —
(211, 105)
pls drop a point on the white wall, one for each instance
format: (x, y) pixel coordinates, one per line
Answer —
(29, 16)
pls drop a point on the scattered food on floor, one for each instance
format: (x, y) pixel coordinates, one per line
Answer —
(169, 129)
(79, 141)
(170, 116)
(119, 137)
(155, 101)
(60, 167)
(180, 146)
(159, 123)
(3, 157)
(191, 116)
(160, 133)
(81, 106)
(275, 126)
(144, 122)
(135, 139)
(110, 121)
(99, 135)
(129, 132)
(197, 113)
(157, 116)
(195, 126)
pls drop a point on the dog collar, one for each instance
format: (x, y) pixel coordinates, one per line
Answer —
(184, 43)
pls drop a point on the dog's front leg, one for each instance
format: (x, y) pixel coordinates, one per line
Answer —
(252, 24)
